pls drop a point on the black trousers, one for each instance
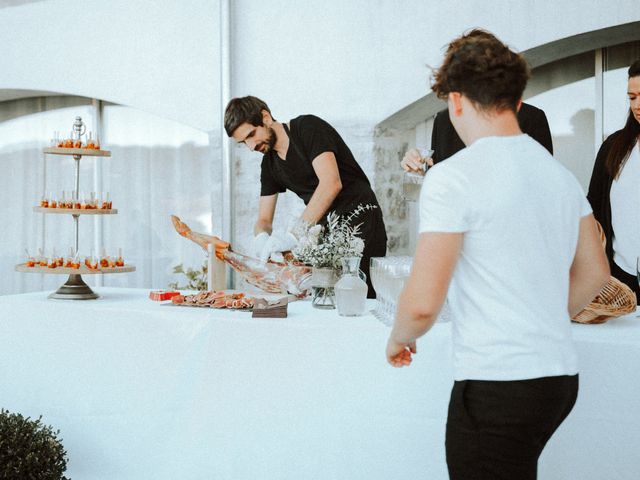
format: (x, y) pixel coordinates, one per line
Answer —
(372, 231)
(496, 430)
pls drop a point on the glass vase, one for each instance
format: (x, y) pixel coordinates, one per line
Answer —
(323, 280)
(351, 288)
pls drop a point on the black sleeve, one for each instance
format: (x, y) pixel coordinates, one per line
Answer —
(317, 137)
(599, 183)
(598, 195)
(445, 141)
(533, 122)
(434, 142)
(268, 184)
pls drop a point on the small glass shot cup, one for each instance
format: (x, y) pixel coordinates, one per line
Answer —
(75, 264)
(87, 200)
(68, 261)
(104, 259)
(30, 261)
(68, 142)
(52, 262)
(425, 153)
(60, 260)
(44, 201)
(120, 259)
(91, 142)
(77, 141)
(77, 200)
(106, 201)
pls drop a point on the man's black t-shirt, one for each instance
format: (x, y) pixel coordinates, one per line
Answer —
(309, 137)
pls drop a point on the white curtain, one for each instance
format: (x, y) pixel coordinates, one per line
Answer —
(157, 167)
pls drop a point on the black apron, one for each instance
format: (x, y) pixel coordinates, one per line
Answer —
(372, 229)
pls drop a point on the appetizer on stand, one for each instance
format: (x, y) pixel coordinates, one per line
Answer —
(76, 204)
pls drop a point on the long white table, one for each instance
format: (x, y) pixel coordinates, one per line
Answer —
(141, 390)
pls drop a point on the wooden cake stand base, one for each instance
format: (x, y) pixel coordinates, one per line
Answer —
(74, 289)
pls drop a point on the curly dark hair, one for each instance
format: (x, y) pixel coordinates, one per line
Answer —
(243, 109)
(484, 69)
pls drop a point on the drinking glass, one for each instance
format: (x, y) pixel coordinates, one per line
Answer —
(105, 201)
(374, 273)
(91, 143)
(68, 142)
(78, 201)
(425, 152)
(120, 259)
(399, 273)
(31, 261)
(393, 271)
(385, 291)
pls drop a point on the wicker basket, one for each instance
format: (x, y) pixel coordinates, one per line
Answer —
(614, 300)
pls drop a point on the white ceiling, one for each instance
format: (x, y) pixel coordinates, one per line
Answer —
(7, 94)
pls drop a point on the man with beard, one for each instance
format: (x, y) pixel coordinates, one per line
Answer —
(308, 157)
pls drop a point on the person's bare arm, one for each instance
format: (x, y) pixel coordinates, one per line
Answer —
(590, 269)
(329, 186)
(266, 211)
(424, 293)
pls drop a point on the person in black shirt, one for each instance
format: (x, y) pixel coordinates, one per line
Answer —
(445, 142)
(310, 158)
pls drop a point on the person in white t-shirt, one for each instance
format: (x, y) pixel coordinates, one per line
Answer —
(507, 231)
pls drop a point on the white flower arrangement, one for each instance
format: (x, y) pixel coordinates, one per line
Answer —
(325, 246)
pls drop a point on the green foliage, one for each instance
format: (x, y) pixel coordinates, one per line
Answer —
(29, 449)
(197, 279)
(325, 246)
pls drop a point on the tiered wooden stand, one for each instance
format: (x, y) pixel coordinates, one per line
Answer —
(75, 288)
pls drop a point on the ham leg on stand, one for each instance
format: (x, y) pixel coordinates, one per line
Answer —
(271, 277)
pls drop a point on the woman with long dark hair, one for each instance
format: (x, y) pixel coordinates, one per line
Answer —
(614, 190)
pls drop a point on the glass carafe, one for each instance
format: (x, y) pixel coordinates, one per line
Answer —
(351, 288)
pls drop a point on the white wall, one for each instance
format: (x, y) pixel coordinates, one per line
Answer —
(353, 62)
(361, 61)
(160, 56)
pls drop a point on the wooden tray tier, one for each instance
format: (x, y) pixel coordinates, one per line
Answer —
(77, 211)
(83, 270)
(85, 152)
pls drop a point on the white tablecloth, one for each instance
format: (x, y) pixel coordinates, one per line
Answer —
(141, 390)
